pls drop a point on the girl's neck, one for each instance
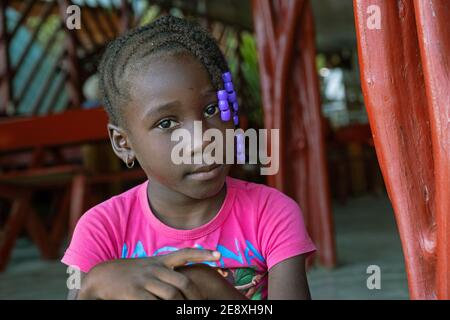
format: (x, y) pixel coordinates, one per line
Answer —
(180, 211)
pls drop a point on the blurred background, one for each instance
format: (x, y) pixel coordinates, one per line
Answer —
(56, 161)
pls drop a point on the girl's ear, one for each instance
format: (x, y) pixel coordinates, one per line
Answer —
(120, 144)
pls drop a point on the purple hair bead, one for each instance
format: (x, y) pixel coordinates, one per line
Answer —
(225, 115)
(229, 86)
(236, 120)
(232, 97)
(222, 95)
(240, 146)
(228, 98)
(240, 142)
(240, 158)
(223, 105)
(226, 77)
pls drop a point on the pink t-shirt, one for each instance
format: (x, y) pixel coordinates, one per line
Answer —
(256, 228)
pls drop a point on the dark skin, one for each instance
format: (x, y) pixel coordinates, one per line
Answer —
(173, 93)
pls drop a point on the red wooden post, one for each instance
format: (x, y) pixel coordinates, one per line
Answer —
(15, 221)
(71, 60)
(77, 201)
(126, 16)
(5, 68)
(286, 47)
(434, 39)
(404, 75)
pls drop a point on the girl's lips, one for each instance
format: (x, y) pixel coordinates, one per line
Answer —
(214, 172)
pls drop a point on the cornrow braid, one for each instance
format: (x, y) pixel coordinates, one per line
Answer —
(167, 34)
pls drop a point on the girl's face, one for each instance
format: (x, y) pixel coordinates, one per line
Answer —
(168, 93)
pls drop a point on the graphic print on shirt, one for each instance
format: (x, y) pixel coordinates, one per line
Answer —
(249, 279)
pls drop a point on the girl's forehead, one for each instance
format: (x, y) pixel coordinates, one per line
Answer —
(161, 63)
(169, 70)
(174, 77)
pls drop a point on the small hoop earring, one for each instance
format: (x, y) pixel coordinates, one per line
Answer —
(129, 165)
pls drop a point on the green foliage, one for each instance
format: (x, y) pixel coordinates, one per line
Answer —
(149, 15)
(250, 71)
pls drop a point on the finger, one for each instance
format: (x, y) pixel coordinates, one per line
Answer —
(182, 282)
(139, 294)
(181, 257)
(163, 290)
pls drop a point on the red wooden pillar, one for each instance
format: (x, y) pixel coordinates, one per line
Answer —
(71, 60)
(404, 75)
(126, 16)
(434, 39)
(5, 70)
(286, 48)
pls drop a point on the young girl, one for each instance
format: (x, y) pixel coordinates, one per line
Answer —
(189, 231)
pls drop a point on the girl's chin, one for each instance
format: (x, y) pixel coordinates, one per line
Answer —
(205, 189)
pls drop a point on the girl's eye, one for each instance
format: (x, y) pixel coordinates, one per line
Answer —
(166, 124)
(211, 110)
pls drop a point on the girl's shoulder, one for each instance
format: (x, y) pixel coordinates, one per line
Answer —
(116, 207)
(261, 195)
(275, 220)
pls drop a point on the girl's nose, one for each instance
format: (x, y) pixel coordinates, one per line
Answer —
(198, 144)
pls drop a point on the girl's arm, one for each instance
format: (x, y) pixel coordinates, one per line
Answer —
(143, 278)
(287, 280)
(73, 293)
(209, 281)
(212, 284)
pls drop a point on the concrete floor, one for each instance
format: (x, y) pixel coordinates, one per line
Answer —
(366, 235)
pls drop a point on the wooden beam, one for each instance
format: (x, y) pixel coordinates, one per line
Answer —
(69, 127)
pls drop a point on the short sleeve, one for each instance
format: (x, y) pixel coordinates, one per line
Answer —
(282, 231)
(91, 242)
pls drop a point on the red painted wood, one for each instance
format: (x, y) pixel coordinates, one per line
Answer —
(14, 225)
(60, 222)
(73, 82)
(434, 38)
(77, 203)
(5, 67)
(286, 47)
(69, 127)
(36, 133)
(404, 75)
(126, 19)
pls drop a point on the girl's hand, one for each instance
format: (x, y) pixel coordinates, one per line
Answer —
(212, 285)
(145, 278)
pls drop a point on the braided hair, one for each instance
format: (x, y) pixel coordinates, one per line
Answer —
(167, 34)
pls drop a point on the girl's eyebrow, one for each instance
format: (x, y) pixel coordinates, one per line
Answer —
(173, 105)
(208, 91)
(162, 108)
